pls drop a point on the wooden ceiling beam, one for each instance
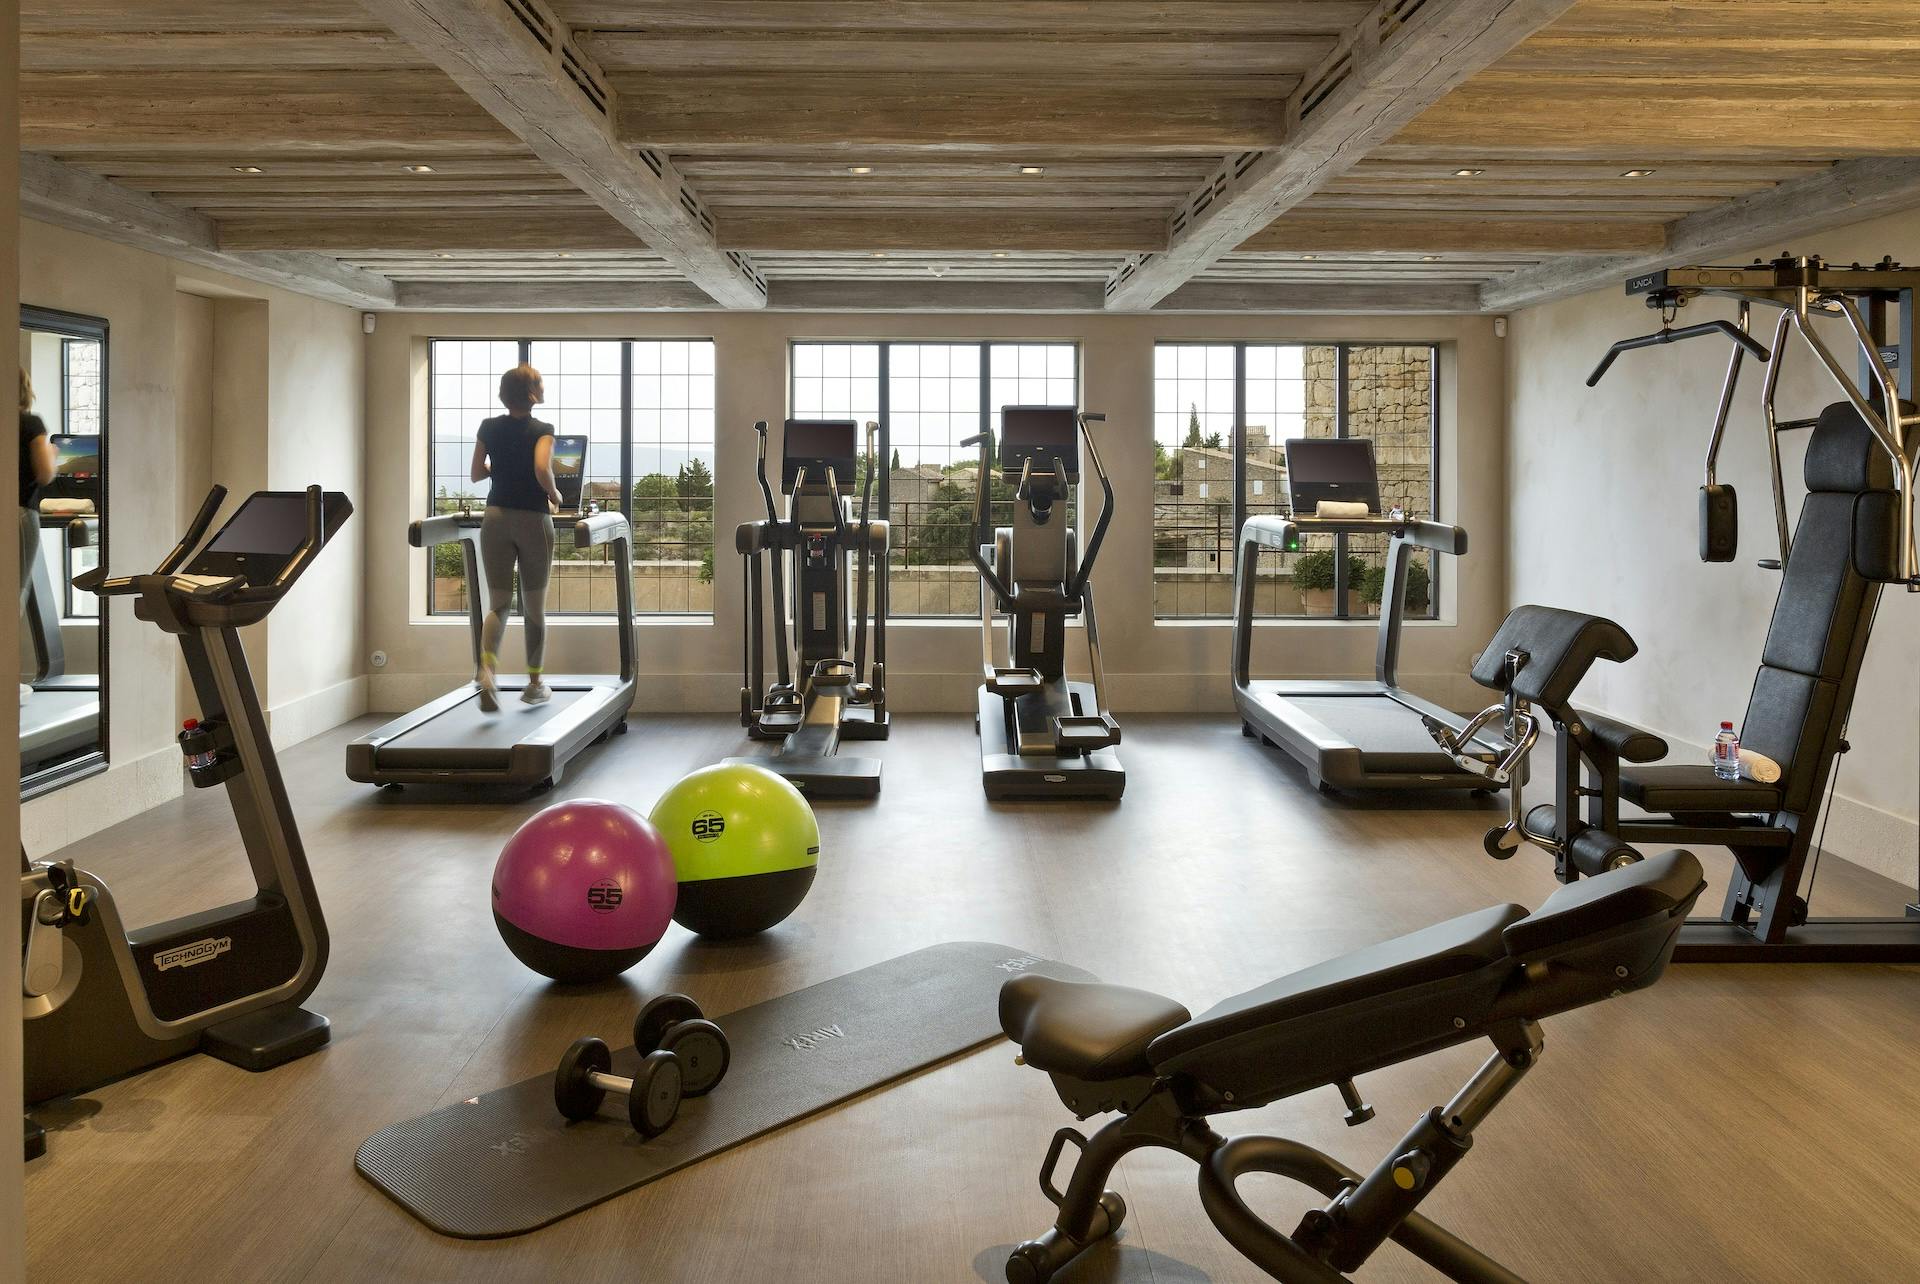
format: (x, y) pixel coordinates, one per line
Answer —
(1768, 221)
(1302, 233)
(67, 197)
(215, 51)
(1389, 73)
(1323, 299)
(552, 97)
(938, 53)
(554, 231)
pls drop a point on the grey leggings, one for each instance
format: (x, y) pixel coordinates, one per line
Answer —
(509, 536)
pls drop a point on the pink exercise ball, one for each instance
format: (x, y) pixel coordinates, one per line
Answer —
(584, 890)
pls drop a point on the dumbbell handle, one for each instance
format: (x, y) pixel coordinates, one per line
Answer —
(610, 1082)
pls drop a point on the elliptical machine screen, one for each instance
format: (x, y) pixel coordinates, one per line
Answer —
(811, 446)
(1040, 435)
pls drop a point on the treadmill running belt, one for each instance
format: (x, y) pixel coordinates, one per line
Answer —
(480, 738)
(1390, 735)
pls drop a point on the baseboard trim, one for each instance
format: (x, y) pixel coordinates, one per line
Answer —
(319, 711)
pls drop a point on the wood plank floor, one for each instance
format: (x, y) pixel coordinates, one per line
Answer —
(1730, 1124)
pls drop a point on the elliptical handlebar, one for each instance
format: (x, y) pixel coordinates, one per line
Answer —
(760, 470)
(1669, 334)
(1079, 585)
(983, 516)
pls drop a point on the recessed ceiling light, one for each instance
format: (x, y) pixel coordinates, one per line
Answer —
(999, 254)
(441, 254)
(563, 255)
(859, 169)
(418, 169)
(1468, 173)
(879, 254)
(1429, 258)
(1308, 258)
(1033, 169)
(248, 169)
(1636, 173)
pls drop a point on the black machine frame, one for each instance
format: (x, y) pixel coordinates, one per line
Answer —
(799, 564)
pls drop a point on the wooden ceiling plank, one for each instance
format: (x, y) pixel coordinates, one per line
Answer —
(1305, 234)
(1329, 298)
(716, 113)
(1014, 17)
(1387, 81)
(59, 194)
(166, 16)
(866, 54)
(536, 91)
(211, 51)
(983, 230)
(1845, 194)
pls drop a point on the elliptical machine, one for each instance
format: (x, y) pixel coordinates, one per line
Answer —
(1041, 735)
(103, 1002)
(832, 697)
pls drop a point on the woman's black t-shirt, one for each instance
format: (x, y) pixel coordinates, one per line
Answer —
(31, 429)
(509, 443)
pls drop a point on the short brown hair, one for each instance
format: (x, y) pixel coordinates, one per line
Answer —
(520, 388)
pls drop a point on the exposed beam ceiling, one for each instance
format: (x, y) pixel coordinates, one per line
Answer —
(1393, 69)
(72, 198)
(539, 295)
(1418, 234)
(550, 95)
(1846, 193)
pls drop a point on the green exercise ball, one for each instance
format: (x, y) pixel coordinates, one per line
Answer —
(745, 846)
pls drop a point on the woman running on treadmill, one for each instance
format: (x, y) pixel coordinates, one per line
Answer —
(36, 470)
(515, 451)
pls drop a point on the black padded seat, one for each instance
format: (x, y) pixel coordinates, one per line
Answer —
(1084, 1029)
(1455, 948)
(1695, 789)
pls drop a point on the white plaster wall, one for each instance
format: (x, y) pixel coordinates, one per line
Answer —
(934, 665)
(1603, 520)
(283, 397)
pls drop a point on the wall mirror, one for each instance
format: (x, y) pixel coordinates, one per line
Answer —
(62, 532)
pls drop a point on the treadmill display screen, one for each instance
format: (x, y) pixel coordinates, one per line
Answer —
(569, 470)
(815, 445)
(1041, 434)
(1331, 468)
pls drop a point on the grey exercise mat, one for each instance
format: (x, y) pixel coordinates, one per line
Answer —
(506, 1162)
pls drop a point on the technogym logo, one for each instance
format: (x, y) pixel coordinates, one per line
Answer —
(188, 955)
(1021, 964)
(813, 1039)
(708, 826)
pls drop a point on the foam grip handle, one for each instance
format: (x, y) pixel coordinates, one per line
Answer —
(1594, 851)
(1341, 508)
(1719, 523)
(1759, 768)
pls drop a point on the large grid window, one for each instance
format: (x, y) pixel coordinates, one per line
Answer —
(645, 407)
(928, 398)
(1222, 412)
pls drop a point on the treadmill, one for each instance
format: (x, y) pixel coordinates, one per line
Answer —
(61, 719)
(1350, 734)
(451, 740)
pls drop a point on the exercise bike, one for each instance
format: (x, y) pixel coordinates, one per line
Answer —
(102, 1001)
(1041, 734)
(821, 694)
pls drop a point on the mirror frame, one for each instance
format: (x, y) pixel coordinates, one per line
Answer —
(75, 325)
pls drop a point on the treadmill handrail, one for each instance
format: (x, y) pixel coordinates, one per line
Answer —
(1279, 531)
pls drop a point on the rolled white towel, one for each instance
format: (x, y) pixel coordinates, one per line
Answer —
(1341, 508)
(1759, 768)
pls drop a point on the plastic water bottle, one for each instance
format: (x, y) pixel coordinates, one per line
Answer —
(197, 745)
(1726, 753)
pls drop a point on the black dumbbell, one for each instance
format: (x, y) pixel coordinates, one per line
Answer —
(585, 1078)
(673, 1023)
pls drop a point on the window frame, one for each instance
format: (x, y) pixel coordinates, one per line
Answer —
(883, 405)
(524, 350)
(1342, 349)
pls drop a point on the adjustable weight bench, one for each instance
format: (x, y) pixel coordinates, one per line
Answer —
(1493, 974)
